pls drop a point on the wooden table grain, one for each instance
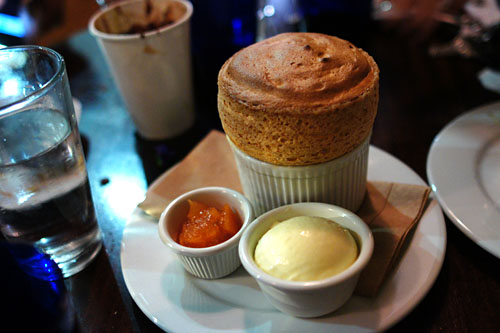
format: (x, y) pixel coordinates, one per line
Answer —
(419, 95)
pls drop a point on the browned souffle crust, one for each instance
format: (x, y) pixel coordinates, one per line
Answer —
(298, 98)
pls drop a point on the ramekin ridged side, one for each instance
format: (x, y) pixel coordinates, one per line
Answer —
(212, 267)
(341, 181)
(211, 262)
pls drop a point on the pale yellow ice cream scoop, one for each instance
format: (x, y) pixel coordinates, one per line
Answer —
(306, 248)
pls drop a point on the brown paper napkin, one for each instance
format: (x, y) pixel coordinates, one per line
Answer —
(210, 163)
(390, 209)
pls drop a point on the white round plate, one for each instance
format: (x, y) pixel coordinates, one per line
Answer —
(178, 302)
(463, 168)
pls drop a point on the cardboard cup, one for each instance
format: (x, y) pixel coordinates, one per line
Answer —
(152, 69)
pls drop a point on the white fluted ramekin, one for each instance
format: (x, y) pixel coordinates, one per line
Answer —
(307, 298)
(340, 182)
(210, 262)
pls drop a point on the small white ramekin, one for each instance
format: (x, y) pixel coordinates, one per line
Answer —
(311, 298)
(340, 182)
(210, 262)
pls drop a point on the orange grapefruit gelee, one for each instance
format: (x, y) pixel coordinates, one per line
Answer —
(207, 226)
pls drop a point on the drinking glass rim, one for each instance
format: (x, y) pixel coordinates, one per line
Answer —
(19, 103)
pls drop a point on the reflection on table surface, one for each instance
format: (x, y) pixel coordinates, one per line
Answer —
(419, 95)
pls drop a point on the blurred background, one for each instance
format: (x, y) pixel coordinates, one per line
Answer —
(442, 27)
(445, 27)
(43, 22)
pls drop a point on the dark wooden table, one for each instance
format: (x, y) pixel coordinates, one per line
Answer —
(419, 95)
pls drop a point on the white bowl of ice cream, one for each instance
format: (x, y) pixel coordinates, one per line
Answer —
(306, 257)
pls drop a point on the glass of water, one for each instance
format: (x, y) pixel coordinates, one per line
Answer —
(45, 198)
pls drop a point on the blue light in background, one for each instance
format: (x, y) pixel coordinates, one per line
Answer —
(240, 37)
(269, 10)
(11, 25)
(237, 24)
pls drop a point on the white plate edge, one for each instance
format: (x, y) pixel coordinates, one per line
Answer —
(456, 220)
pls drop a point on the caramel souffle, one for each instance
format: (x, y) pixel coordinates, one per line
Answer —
(298, 98)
